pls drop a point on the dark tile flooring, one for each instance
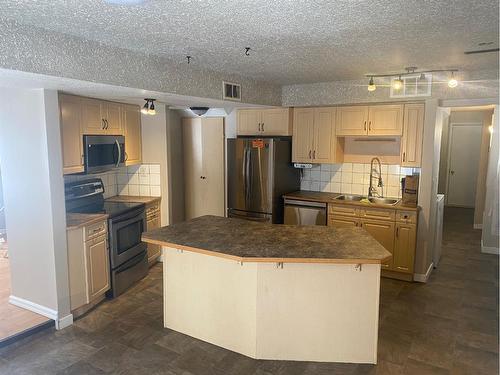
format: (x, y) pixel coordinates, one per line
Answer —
(447, 326)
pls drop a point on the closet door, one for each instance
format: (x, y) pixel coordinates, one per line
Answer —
(203, 141)
(193, 168)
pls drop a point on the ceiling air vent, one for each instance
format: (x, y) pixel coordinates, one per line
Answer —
(411, 85)
(231, 91)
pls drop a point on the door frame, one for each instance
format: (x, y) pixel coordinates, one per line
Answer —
(448, 158)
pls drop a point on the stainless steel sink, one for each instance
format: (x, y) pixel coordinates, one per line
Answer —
(388, 201)
(346, 197)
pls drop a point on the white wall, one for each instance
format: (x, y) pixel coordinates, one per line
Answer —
(490, 236)
(34, 198)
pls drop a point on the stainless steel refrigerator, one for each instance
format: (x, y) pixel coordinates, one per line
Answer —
(260, 171)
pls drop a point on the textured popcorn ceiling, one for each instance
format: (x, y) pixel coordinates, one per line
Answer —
(292, 41)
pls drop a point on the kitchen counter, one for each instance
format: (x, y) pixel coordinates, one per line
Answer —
(247, 241)
(76, 220)
(271, 291)
(132, 198)
(317, 196)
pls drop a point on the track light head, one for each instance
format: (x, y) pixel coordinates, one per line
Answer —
(371, 85)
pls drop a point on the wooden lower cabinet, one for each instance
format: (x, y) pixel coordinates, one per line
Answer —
(395, 230)
(88, 265)
(405, 241)
(383, 232)
(153, 221)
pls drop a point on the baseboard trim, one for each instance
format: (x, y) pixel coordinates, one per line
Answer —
(478, 226)
(60, 323)
(35, 307)
(423, 277)
(489, 249)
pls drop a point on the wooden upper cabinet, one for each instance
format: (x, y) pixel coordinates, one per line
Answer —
(404, 247)
(303, 134)
(248, 122)
(352, 120)
(314, 139)
(93, 116)
(385, 120)
(113, 118)
(413, 134)
(71, 133)
(324, 139)
(131, 121)
(370, 120)
(272, 121)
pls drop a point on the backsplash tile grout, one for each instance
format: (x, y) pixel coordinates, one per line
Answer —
(354, 178)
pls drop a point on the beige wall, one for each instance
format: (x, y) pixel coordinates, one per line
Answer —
(469, 116)
(176, 168)
(34, 199)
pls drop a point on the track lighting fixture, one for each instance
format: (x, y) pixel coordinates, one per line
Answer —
(397, 84)
(149, 107)
(371, 85)
(452, 83)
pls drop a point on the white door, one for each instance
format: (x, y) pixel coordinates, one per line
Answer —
(463, 162)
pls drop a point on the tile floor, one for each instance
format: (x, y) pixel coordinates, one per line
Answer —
(447, 326)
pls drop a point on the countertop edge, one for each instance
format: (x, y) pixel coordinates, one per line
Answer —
(91, 220)
(265, 260)
(133, 198)
(399, 206)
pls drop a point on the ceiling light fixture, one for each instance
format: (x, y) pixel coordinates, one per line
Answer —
(247, 51)
(452, 83)
(199, 111)
(371, 85)
(149, 107)
(397, 84)
(422, 77)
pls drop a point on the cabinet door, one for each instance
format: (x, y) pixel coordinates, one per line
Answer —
(154, 251)
(193, 170)
(303, 131)
(132, 129)
(383, 232)
(352, 120)
(324, 135)
(413, 134)
(276, 121)
(113, 118)
(92, 116)
(404, 247)
(97, 267)
(342, 221)
(385, 120)
(71, 133)
(249, 121)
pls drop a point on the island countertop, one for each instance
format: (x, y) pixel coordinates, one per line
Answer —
(247, 241)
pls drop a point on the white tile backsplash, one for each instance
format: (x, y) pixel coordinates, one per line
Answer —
(353, 178)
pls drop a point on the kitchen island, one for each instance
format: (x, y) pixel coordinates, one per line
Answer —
(273, 291)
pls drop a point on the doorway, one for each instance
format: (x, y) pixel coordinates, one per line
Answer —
(463, 162)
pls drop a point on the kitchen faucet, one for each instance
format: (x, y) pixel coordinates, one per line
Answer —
(373, 190)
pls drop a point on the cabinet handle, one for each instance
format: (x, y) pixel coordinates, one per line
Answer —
(259, 126)
(365, 126)
(310, 154)
(107, 124)
(203, 177)
(103, 124)
(314, 154)
(263, 127)
(370, 126)
(404, 156)
(397, 232)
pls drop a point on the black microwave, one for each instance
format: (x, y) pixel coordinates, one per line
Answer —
(103, 152)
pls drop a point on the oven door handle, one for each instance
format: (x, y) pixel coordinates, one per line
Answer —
(127, 221)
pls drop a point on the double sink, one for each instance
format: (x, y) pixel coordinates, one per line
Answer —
(375, 200)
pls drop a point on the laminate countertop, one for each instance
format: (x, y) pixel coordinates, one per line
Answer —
(77, 220)
(247, 241)
(318, 196)
(132, 198)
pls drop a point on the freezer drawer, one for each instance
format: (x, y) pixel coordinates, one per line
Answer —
(304, 213)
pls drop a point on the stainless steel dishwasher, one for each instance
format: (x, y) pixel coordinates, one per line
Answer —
(299, 212)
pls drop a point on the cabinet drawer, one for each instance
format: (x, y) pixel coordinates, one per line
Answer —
(408, 217)
(377, 214)
(337, 209)
(96, 230)
(343, 221)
